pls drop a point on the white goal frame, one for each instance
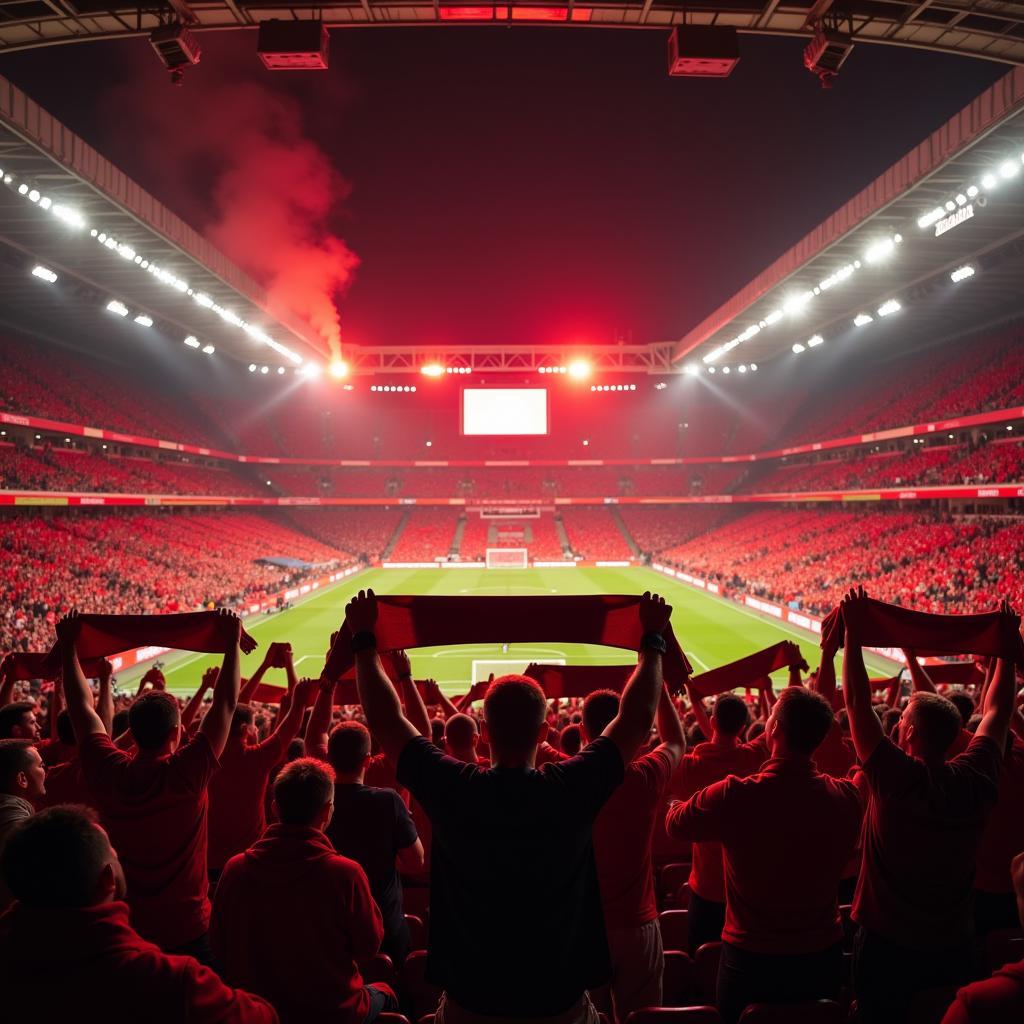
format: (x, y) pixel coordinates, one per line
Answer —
(507, 558)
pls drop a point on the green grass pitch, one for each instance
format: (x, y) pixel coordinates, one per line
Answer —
(711, 630)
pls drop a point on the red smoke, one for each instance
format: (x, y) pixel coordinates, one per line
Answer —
(232, 155)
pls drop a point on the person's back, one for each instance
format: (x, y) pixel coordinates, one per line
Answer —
(291, 915)
(154, 807)
(373, 827)
(68, 951)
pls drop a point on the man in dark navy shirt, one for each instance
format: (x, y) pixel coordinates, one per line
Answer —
(510, 840)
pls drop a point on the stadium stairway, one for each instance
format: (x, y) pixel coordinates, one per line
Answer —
(460, 529)
(624, 530)
(386, 553)
(563, 537)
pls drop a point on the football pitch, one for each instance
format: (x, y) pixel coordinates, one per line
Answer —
(712, 630)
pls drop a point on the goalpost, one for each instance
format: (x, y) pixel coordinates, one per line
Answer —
(507, 558)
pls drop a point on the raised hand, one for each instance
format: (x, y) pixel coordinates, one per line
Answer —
(232, 636)
(654, 613)
(106, 671)
(210, 677)
(155, 678)
(402, 664)
(67, 628)
(361, 612)
(304, 692)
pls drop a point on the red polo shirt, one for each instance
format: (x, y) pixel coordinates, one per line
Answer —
(238, 793)
(622, 841)
(705, 764)
(154, 809)
(921, 836)
(786, 834)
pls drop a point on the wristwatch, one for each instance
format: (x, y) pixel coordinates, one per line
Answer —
(363, 642)
(654, 642)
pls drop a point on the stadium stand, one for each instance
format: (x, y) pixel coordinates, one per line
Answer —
(427, 535)
(593, 534)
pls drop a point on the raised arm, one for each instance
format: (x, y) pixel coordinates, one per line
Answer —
(632, 725)
(217, 721)
(271, 659)
(670, 729)
(380, 703)
(288, 724)
(436, 696)
(320, 720)
(865, 728)
(415, 709)
(1000, 696)
(700, 713)
(208, 681)
(77, 694)
(105, 697)
(920, 680)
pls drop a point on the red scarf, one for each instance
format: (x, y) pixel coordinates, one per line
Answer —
(405, 622)
(888, 625)
(100, 635)
(749, 671)
(578, 680)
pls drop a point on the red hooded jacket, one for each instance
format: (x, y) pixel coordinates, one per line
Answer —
(80, 963)
(290, 918)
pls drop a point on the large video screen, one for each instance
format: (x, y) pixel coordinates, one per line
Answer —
(504, 411)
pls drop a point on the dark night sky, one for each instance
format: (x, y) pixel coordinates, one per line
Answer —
(534, 185)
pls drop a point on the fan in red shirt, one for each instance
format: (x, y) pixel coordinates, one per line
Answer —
(238, 789)
(67, 951)
(292, 883)
(622, 848)
(786, 834)
(721, 756)
(922, 830)
(154, 804)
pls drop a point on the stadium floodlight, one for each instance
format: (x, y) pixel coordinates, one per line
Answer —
(928, 219)
(280, 371)
(310, 371)
(203, 300)
(950, 206)
(117, 307)
(432, 370)
(753, 367)
(990, 181)
(209, 350)
(23, 189)
(35, 195)
(1009, 169)
(961, 199)
(264, 369)
(795, 303)
(892, 306)
(972, 191)
(725, 369)
(252, 367)
(881, 250)
(144, 321)
(691, 369)
(962, 273)
(45, 202)
(44, 273)
(862, 319)
(798, 348)
(69, 216)
(773, 317)
(742, 367)
(833, 279)
(815, 341)
(338, 369)
(711, 369)
(579, 369)
(193, 342)
(660, 386)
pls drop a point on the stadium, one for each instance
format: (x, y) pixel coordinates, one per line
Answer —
(219, 419)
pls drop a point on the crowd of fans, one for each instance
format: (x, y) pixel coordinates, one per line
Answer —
(807, 559)
(819, 850)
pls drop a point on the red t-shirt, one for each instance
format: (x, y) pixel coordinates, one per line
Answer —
(786, 834)
(921, 836)
(705, 764)
(997, 1000)
(238, 797)
(622, 842)
(64, 964)
(154, 809)
(1003, 837)
(290, 918)
(54, 751)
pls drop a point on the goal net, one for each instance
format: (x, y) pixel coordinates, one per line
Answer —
(506, 558)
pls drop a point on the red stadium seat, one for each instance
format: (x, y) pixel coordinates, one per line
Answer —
(417, 932)
(679, 979)
(706, 963)
(675, 1015)
(420, 995)
(671, 881)
(675, 929)
(378, 968)
(822, 1011)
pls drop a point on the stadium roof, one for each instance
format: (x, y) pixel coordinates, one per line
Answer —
(954, 201)
(993, 30)
(66, 208)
